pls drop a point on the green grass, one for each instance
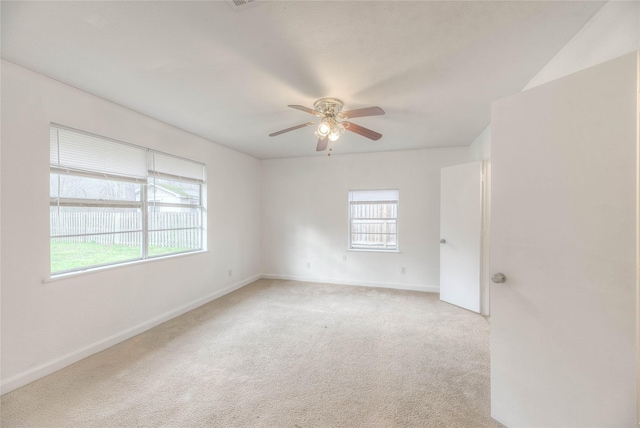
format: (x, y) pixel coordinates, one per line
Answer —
(78, 255)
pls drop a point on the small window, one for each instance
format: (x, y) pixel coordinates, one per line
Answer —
(373, 220)
(113, 202)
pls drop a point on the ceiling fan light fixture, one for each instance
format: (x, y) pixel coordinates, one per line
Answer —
(336, 131)
(324, 128)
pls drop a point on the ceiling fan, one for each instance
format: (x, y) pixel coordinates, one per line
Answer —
(329, 111)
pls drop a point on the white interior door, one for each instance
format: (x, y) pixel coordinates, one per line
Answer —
(563, 232)
(461, 234)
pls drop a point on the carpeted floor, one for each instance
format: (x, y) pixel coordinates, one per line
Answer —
(280, 354)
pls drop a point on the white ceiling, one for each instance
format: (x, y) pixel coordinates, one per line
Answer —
(227, 75)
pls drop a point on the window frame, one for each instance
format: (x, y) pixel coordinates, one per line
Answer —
(396, 202)
(142, 203)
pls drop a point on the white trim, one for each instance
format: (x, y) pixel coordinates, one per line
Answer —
(372, 250)
(56, 364)
(485, 252)
(395, 286)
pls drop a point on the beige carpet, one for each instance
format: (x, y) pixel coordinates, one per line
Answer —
(280, 354)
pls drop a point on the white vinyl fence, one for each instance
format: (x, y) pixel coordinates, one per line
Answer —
(374, 225)
(124, 228)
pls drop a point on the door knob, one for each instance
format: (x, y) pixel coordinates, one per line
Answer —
(498, 278)
(442, 241)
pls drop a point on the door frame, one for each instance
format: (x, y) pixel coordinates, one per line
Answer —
(485, 253)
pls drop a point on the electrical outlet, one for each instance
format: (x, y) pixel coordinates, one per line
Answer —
(403, 271)
(344, 258)
(308, 265)
(230, 272)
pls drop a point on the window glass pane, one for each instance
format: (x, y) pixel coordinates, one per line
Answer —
(53, 185)
(70, 186)
(91, 220)
(373, 241)
(94, 250)
(373, 219)
(174, 241)
(173, 192)
(373, 226)
(374, 210)
(374, 234)
(173, 218)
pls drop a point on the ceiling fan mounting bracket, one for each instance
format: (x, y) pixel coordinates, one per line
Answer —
(328, 106)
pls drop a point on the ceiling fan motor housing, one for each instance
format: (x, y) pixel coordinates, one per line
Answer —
(328, 106)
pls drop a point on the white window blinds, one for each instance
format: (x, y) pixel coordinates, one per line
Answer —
(390, 195)
(173, 167)
(77, 151)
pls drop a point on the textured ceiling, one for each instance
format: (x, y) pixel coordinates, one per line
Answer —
(227, 75)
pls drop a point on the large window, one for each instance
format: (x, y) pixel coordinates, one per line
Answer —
(373, 220)
(113, 202)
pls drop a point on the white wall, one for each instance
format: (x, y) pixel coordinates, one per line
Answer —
(47, 325)
(480, 148)
(612, 32)
(304, 215)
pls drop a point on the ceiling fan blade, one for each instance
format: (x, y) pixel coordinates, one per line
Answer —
(361, 112)
(322, 144)
(293, 128)
(306, 110)
(372, 135)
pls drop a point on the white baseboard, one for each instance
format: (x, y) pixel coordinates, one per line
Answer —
(396, 286)
(49, 367)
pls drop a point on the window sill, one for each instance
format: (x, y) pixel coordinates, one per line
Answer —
(90, 271)
(362, 250)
